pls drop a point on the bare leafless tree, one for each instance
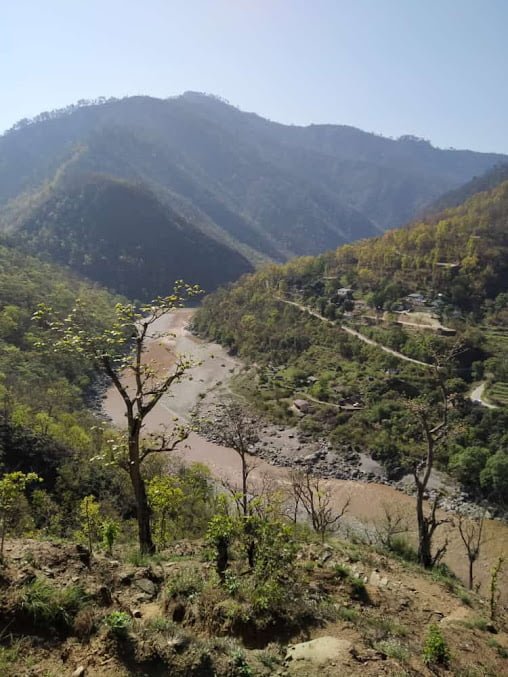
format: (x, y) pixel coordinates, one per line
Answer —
(315, 497)
(471, 531)
(433, 421)
(238, 430)
(393, 523)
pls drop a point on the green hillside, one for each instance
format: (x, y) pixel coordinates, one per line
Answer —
(487, 181)
(45, 420)
(119, 234)
(455, 263)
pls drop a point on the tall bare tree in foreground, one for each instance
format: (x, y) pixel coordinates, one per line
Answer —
(118, 352)
(433, 421)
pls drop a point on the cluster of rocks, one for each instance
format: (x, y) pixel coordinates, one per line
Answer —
(462, 503)
(342, 463)
(455, 501)
(281, 447)
(293, 449)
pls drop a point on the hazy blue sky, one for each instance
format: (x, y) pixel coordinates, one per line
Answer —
(434, 68)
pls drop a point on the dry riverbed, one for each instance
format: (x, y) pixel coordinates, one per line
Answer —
(279, 447)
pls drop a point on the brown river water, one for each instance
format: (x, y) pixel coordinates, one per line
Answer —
(367, 499)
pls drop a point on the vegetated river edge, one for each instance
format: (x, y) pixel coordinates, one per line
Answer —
(209, 381)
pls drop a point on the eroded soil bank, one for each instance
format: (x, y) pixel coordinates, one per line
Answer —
(209, 382)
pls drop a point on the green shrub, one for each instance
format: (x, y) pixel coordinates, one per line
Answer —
(162, 624)
(500, 649)
(393, 649)
(138, 559)
(240, 666)
(476, 623)
(465, 598)
(270, 658)
(344, 613)
(49, 605)
(9, 655)
(231, 583)
(110, 530)
(343, 572)
(358, 590)
(386, 627)
(186, 583)
(118, 623)
(435, 650)
(401, 547)
(442, 574)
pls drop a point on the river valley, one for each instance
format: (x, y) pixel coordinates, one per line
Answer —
(208, 380)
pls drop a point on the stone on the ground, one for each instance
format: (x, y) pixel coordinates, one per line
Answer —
(377, 581)
(146, 586)
(320, 651)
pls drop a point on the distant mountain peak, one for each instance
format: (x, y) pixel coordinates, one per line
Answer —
(264, 190)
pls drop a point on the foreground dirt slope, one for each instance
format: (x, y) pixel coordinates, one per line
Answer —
(378, 631)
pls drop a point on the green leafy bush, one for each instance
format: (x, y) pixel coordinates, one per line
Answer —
(110, 530)
(358, 590)
(435, 650)
(393, 649)
(403, 549)
(240, 666)
(342, 571)
(118, 623)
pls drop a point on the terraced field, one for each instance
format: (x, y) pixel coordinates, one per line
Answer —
(497, 345)
(498, 393)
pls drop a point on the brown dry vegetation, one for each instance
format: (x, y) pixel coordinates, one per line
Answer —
(180, 621)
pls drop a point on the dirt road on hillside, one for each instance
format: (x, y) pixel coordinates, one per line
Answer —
(476, 395)
(356, 334)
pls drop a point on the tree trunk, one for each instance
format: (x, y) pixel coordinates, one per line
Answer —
(89, 527)
(4, 527)
(251, 554)
(245, 472)
(424, 537)
(146, 544)
(222, 558)
(471, 577)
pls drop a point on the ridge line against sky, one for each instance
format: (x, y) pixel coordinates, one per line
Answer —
(435, 70)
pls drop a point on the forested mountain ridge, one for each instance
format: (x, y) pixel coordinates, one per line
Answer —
(45, 422)
(268, 189)
(460, 252)
(408, 290)
(119, 234)
(487, 181)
